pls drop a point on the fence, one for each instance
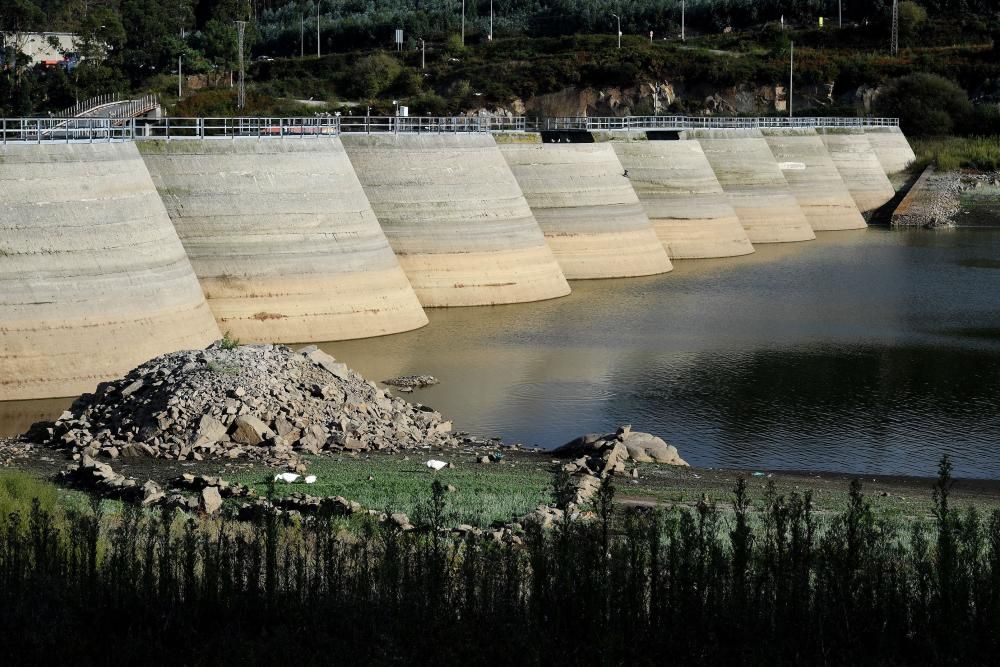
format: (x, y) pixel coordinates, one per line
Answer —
(121, 125)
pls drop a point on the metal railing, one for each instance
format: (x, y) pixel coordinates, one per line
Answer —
(643, 123)
(123, 126)
(86, 105)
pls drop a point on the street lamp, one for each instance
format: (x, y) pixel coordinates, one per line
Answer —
(791, 77)
(619, 30)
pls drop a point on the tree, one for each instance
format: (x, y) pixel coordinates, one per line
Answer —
(911, 17)
(926, 104)
(17, 19)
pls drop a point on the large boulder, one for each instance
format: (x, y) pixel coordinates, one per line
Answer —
(646, 448)
(614, 448)
(249, 430)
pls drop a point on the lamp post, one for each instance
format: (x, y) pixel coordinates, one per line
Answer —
(463, 22)
(619, 30)
(791, 78)
(491, 20)
(180, 75)
(683, 8)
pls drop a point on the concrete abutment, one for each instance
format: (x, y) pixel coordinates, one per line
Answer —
(93, 279)
(456, 218)
(754, 185)
(586, 207)
(283, 239)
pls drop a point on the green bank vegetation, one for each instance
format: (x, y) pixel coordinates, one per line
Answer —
(481, 494)
(953, 153)
(763, 583)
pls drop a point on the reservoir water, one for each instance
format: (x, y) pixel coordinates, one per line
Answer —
(863, 352)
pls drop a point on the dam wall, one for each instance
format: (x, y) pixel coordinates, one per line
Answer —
(814, 180)
(891, 148)
(456, 218)
(682, 197)
(93, 279)
(754, 184)
(283, 239)
(586, 207)
(855, 159)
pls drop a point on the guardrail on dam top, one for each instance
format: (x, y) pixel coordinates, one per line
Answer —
(39, 130)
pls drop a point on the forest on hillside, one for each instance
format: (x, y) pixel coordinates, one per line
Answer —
(135, 45)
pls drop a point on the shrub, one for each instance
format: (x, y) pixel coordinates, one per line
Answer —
(926, 104)
(372, 75)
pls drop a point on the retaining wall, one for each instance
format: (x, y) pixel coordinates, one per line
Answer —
(456, 218)
(93, 279)
(855, 159)
(586, 207)
(683, 199)
(283, 239)
(754, 184)
(814, 180)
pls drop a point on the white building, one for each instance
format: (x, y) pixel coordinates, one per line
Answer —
(42, 47)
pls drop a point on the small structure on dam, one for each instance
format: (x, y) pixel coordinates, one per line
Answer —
(855, 159)
(684, 200)
(891, 148)
(283, 239)
(586, 207)
(93, 279)
(814, 179)
(756, 188)
(456, 217)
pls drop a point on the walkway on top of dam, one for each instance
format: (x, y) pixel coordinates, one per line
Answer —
(44, 130)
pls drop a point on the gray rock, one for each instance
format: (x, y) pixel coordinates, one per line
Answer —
(210, 500)
(210, 431)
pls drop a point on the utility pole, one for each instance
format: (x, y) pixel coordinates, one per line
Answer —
(840, 13)
(619, 30)
(894, 46)
(463, 22)
(791, 78)
(241, 95)
(180, 75)
(423, 54)
(302, 35)
(317, 30)
(491, 20)
(683, 12)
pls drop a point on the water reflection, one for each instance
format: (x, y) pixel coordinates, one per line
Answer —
(868, 351)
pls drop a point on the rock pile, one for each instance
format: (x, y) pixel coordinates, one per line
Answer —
(262, 402)
(935, 199)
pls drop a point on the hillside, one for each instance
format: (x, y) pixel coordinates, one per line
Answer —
(546, 58)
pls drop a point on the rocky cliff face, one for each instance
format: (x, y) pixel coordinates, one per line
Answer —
(650, 98)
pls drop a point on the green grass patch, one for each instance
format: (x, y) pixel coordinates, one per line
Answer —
(952, 153)
(484, 493)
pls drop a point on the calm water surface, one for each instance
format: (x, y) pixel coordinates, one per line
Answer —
(864, 352)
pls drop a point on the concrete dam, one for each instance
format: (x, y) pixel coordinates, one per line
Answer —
(586, 207)
(122, 242)
(283, 239)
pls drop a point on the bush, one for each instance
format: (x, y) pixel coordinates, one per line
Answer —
(373, 75)
(926, 104)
